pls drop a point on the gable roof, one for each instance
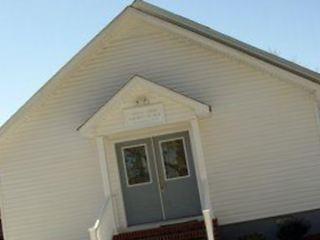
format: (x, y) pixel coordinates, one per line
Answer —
(226, 40)
(200, 109)
(177, 20)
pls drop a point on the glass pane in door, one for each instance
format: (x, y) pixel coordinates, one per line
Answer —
(174, 159)
(136, 165)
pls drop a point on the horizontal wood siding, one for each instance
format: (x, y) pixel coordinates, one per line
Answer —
(261, 145)
(262, 149)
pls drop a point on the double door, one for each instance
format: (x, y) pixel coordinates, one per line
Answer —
(158, 178)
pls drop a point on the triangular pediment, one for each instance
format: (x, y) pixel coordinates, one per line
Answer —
(141, 103)
(140, 11)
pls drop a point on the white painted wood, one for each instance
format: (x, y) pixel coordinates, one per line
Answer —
(93, 232)
(106, 230)
(208, 223)
(103, 166)
(316, 96)
(106, 179)
(115, 186)
(113, 122)
(103, 228)
(200, 164)
(261, 147)
(2, 212)
(144, 116)
(166, 104)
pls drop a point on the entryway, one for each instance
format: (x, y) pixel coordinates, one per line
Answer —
(158, 178)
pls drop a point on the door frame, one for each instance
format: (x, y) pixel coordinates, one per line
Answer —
(192, 127)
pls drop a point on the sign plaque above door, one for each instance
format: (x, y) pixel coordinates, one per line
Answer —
(144, 116)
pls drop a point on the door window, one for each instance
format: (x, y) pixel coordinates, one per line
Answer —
(136, 162)
(158, 178)
(174, 159)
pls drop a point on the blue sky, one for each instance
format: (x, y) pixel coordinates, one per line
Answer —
(37, 37)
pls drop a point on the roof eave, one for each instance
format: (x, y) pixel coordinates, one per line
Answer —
(60, 74)
(226, 40)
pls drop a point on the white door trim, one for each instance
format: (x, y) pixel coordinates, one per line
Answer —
(105, 176)
(116, 191)
(201, 172)
(203, 184)
(193, 129)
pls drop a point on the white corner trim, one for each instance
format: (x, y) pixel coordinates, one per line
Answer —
(200, 164)
(3, 210)
(103, 166)
(116, 195)
(316, 103)
(208, 224)
(105, 175)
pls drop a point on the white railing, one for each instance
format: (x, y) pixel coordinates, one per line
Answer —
(208, 223)
(103, 228)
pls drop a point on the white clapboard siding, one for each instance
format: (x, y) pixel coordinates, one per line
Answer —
(261, 145)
